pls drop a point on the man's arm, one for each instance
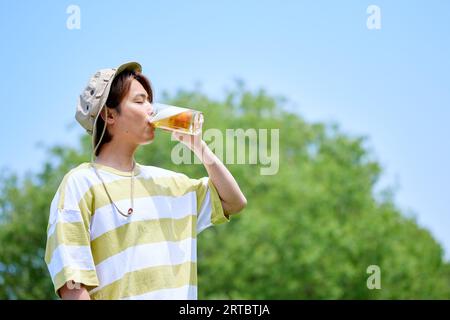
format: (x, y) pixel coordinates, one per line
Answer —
(68, 292)
(233, 200)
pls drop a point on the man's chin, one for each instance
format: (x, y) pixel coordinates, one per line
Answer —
(149, 141)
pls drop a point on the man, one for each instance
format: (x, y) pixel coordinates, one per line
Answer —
(122, 230)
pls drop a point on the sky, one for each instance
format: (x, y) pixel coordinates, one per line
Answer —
(389, 84)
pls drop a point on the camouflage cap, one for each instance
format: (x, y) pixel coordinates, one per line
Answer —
(95, 95)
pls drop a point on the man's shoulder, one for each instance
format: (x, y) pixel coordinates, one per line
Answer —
(85, 170)
(176, 183)
(76, 175)
(158, 172)
(79, 171)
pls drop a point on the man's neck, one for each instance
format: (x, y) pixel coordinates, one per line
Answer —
(119, 157)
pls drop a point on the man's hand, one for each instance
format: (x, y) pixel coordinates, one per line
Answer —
(232, 198)
(193, 142)
(71, 292)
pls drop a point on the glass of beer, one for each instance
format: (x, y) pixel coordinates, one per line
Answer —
(176, 119)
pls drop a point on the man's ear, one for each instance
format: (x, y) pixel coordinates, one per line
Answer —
(108, 115)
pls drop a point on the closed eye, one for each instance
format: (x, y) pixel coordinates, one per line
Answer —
(140, 97)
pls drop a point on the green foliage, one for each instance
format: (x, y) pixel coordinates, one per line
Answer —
(308, 232)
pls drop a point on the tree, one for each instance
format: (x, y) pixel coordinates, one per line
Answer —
(308, 232)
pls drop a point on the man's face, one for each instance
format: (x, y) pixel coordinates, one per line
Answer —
(132, 124)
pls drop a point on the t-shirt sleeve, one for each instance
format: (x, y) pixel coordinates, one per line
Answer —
(209, 206)
(68, 253)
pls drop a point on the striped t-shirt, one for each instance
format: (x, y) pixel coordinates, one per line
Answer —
(151, 254)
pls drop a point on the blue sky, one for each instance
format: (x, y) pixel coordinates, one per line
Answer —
(390, 84)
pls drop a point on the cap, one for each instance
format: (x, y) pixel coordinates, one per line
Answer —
(94, 96)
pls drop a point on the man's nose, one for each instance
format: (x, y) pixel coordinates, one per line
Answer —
(150, 110)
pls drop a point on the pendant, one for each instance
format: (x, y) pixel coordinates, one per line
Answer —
(130, 211)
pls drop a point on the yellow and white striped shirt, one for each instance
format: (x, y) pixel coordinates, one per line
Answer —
(151, 254)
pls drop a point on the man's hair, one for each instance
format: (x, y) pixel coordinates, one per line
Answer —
(119, 90)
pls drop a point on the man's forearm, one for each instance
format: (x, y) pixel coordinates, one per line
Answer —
(233, 200)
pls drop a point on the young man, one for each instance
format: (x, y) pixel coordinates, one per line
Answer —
(121, 230)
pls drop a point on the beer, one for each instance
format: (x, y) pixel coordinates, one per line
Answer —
(177, 119)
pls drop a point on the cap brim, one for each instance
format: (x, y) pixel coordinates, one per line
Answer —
(133, 66)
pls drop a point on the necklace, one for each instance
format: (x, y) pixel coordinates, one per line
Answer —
(130, 210)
